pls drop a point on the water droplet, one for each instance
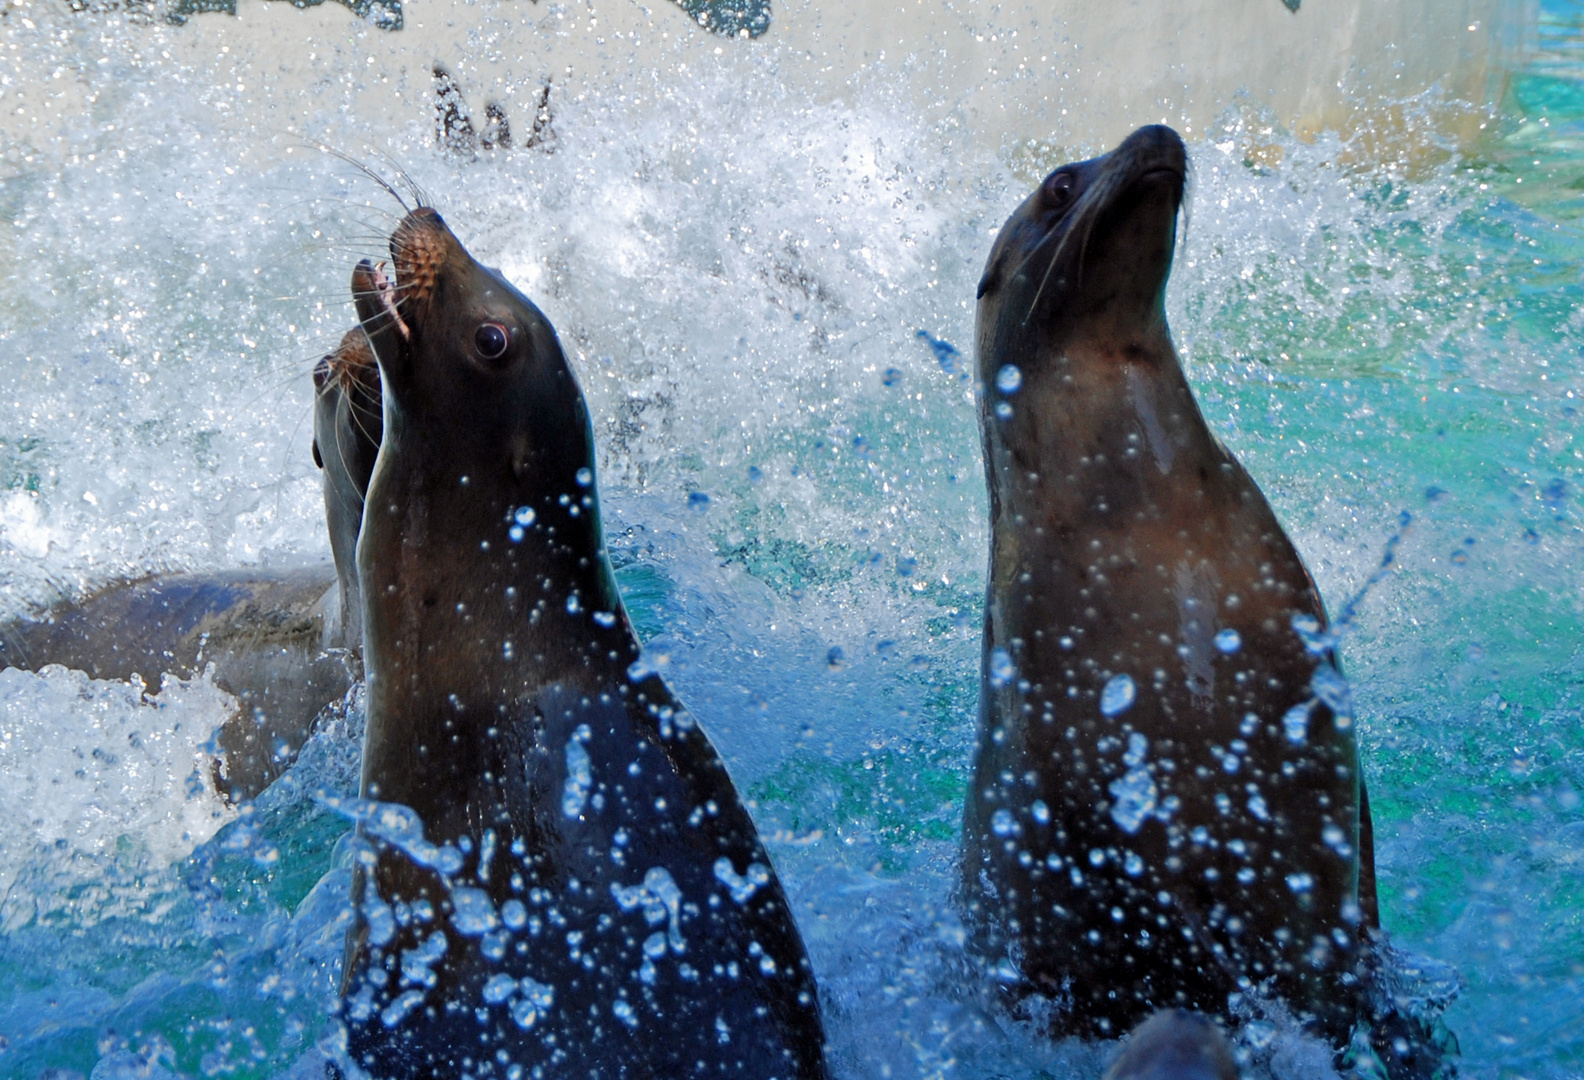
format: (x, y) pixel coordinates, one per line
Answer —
(605, 618)
(741, 886)
(1330, 687)
(514, 914)
(1300, 883)
(1133, 864)
(1041, 811)
(573, 605)
(697, 500)
(499, 988)
(474, 912)
(1295, 722)
(585, 477)
(1009, 379)
(1136, 797)
(1118, 695)
(1003, 411)
(836, 658)
(1002, 670)
(524, 516)
(1228, 641)
(397, 1010)
(1001, 822)
(580, 773)
(1316, 638)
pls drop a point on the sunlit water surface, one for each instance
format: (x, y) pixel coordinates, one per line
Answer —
(769, 304)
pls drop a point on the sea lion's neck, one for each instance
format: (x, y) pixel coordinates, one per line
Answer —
(503, 576)
(1098, 424)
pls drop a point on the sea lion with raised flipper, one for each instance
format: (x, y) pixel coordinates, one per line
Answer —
(1165, 809)
(563, 878)
(349, 421)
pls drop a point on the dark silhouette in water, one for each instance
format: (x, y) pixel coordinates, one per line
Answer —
(1165, 807)
(563, 875)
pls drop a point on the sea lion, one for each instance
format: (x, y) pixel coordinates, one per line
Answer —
(272, 638)
(1175, 1044)
(284, 643)
(1165, 808)
(563, 876)
(349, 421)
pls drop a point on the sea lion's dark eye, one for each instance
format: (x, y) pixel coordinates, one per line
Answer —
(1059, 189)
(491, 340)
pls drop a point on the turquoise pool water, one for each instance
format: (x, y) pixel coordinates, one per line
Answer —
(769, 303)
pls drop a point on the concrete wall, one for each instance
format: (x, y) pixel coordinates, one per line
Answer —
(1076, 73)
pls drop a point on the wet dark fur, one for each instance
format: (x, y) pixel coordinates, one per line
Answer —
(1124, 537)
(491, 659)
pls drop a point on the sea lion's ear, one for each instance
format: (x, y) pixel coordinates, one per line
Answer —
(992, 277)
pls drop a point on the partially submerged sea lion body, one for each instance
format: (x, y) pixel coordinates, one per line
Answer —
(1164, 810)
(563, 875)
(284, 643)
(272, 636)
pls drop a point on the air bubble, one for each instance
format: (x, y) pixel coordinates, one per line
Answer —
(1009, 379)
(1228, 641)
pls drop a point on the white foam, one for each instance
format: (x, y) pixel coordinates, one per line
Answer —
(92, 767)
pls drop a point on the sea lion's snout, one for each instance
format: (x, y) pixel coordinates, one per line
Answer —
(419, 249)
(1095, 235)
(1151, 150)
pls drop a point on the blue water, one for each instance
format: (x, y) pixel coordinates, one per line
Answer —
(769, 303)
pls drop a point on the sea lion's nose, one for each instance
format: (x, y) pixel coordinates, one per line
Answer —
(1156, 144)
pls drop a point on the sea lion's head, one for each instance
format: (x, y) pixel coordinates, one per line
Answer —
(468, 361)
(347, 411)
(1089, 251)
